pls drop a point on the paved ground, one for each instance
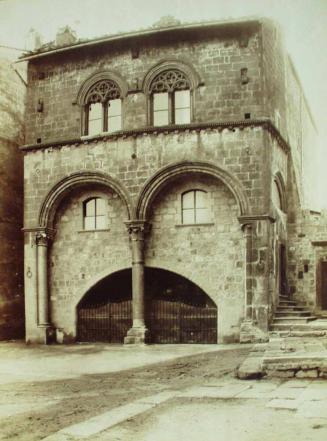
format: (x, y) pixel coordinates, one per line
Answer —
(287, 357)
(153, 393)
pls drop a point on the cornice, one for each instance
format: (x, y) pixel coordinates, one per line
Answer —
(265, 123)
(248, 219)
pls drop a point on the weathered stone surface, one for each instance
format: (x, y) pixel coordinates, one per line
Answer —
(280, 374)
(12, 93)
(307, 373)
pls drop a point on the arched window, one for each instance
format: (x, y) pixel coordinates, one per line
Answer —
(170, 98)
(94, 215)
(195, 207)
(103, 108)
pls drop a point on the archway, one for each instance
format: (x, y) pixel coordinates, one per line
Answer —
(105, 312)
(176, 309)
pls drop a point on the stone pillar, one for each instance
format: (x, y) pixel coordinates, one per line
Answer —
(138, 333)
(255, 325)
(248, 231)
(43, 319)
(42, 279)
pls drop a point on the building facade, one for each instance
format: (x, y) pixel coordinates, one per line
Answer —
(158, 167)
(12, 102)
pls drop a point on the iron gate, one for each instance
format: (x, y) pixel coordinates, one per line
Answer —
(178, 322)
(108, 322)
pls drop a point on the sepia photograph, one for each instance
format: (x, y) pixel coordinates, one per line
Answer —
(163, 220)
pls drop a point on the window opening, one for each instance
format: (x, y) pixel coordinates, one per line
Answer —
(195, 207)
(94, 214)
(103, 109)
(171, 99)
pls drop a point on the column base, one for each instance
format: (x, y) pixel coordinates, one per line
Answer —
(47, 334)
(251, 333)
(137, 335)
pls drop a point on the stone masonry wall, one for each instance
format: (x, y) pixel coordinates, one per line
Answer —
(79, 258)
(218, 61)
(12, 93)
(211, 255)
(134, 160)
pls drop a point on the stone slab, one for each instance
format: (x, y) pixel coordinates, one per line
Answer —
(313, 409)
(230, 391)
(285, 393)
(277, 403)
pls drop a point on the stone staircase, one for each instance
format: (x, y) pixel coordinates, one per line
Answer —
(292, 320)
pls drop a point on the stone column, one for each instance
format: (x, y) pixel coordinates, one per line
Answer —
(42, 278)
(42, 242)
(138, 333)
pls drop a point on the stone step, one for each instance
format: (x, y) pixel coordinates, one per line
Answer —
(294, 333)
(292, 320)
(292, 313)
(290, 308)
(290, 327)
(287, 302)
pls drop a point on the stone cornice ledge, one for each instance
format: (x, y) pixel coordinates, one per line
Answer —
(249, 218)
(265, 123)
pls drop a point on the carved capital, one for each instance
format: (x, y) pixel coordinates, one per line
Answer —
(137, 228)
(43, 237)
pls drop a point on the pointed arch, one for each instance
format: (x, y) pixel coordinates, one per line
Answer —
(101, 76)
(171, 64)
(280, 183)
(59, 191)
(168, 173)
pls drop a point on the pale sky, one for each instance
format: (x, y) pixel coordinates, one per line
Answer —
(304, 23)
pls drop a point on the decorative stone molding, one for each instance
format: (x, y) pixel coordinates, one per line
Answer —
(265, 123)
(173, 64)
(249, 219)
(65, 185)
(168, 173)
(136, 226)
(108, 75)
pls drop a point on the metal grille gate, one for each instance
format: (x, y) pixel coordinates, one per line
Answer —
(177, 322)
(107, 322)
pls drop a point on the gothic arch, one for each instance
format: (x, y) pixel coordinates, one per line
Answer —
(168, 173)
(78, 179)
(98, 76)
(280, 183)
(171, 64)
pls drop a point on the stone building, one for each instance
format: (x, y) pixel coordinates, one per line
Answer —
(12, 96)
(158, 167)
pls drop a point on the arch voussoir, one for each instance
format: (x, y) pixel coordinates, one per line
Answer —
(75, 180)
(168, 173)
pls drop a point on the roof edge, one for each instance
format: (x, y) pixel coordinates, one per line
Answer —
(142, 33)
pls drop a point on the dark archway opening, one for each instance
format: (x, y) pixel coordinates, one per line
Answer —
(176, 310)
(105, 312)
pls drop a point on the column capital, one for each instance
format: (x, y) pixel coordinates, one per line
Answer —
(249, 219)
(43, 237)
(138, 226)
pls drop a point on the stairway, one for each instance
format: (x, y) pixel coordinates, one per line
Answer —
(291, 320)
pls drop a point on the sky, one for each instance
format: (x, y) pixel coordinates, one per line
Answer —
(304, 23)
